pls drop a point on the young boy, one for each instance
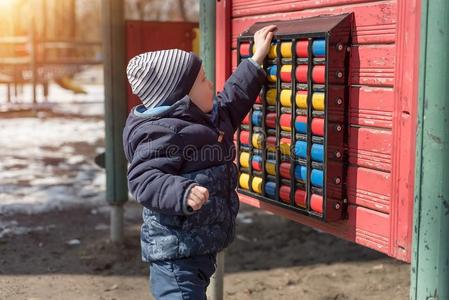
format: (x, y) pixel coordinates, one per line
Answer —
(180, 149)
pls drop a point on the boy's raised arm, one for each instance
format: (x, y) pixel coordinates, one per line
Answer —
(243, 86)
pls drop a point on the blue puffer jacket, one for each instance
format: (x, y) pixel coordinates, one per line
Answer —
(170, 150)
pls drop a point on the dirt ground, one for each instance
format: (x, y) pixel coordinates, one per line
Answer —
(271, 258)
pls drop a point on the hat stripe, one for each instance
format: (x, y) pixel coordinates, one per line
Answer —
(155, 76)
(171, 85)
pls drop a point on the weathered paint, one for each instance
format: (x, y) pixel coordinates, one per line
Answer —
(382, 115)
(430, 264)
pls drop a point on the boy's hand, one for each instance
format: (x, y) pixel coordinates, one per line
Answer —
(197, 196)
(262, 42)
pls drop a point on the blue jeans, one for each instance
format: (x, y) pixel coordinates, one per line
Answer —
(182, 279)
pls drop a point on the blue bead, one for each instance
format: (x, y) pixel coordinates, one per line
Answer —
(301, 172)
(319, 47)
(317, 152)
(270, 189)
(301, 149)
(272, 70)
(256, 118)
(317, 178)
(301, 127)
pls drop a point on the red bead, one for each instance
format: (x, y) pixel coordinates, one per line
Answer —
(270, 120)
(301, 73)
(302, 49)
(244, 137)
(285, 122)
(284, 170)
(300, 198)
(244, 49)
(316, 203)
(318, 74)
(271, 142)
(318, 126)
(284, 193)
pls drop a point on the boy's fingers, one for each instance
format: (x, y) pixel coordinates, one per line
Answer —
(194, 198)
(269, 28)
(199, 195)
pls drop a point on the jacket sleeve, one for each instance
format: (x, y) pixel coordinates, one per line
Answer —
(240, 91)
(152, 178)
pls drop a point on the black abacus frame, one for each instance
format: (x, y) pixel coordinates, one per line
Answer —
(342, 203)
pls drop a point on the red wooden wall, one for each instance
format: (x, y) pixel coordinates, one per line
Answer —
(143, 36)
(383, 100)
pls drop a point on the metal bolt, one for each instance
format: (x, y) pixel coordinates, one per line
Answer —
(337, 206)
(339, 74)
(338, 128)
(338, 154)
(339, 101)
(337, 180)
(345, 200)
(339, 47)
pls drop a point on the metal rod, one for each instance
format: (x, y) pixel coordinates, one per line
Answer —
(115, 111)
(207, 50)
(117, 223)
(430, 257)
(215, 290)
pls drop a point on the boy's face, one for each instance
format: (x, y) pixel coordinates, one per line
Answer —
(202, 92)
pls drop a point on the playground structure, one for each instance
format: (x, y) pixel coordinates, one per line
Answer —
(398, 127)
(45, 48)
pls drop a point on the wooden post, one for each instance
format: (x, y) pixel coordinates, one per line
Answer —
(115, 111)
(430, 259)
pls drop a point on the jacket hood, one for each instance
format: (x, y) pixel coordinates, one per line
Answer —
(182, 109)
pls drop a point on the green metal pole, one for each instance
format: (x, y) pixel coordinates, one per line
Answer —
(430, 261)
(207, 39)
(207, 53)
(115, 111)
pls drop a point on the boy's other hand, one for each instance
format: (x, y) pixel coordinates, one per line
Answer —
(262, 42)
(197, 196)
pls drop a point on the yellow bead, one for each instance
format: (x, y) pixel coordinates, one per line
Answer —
(270, 167)
(256, 185)
(257, 140)
(244, 159)
(284, 146)
(318, 101)
(301, 99)
(273, 49)
(271, 97)
(286, 96)
(286, 49)
(244, 181)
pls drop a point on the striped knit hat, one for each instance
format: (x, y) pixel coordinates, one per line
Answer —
(162, 77)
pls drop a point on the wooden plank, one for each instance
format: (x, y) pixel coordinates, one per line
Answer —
(371, 106)
(372, 65)
(223, 43)
(241, 8)
(364, 226)
(369, 188)
(371, 228)
(373, 22)
(370, 148)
